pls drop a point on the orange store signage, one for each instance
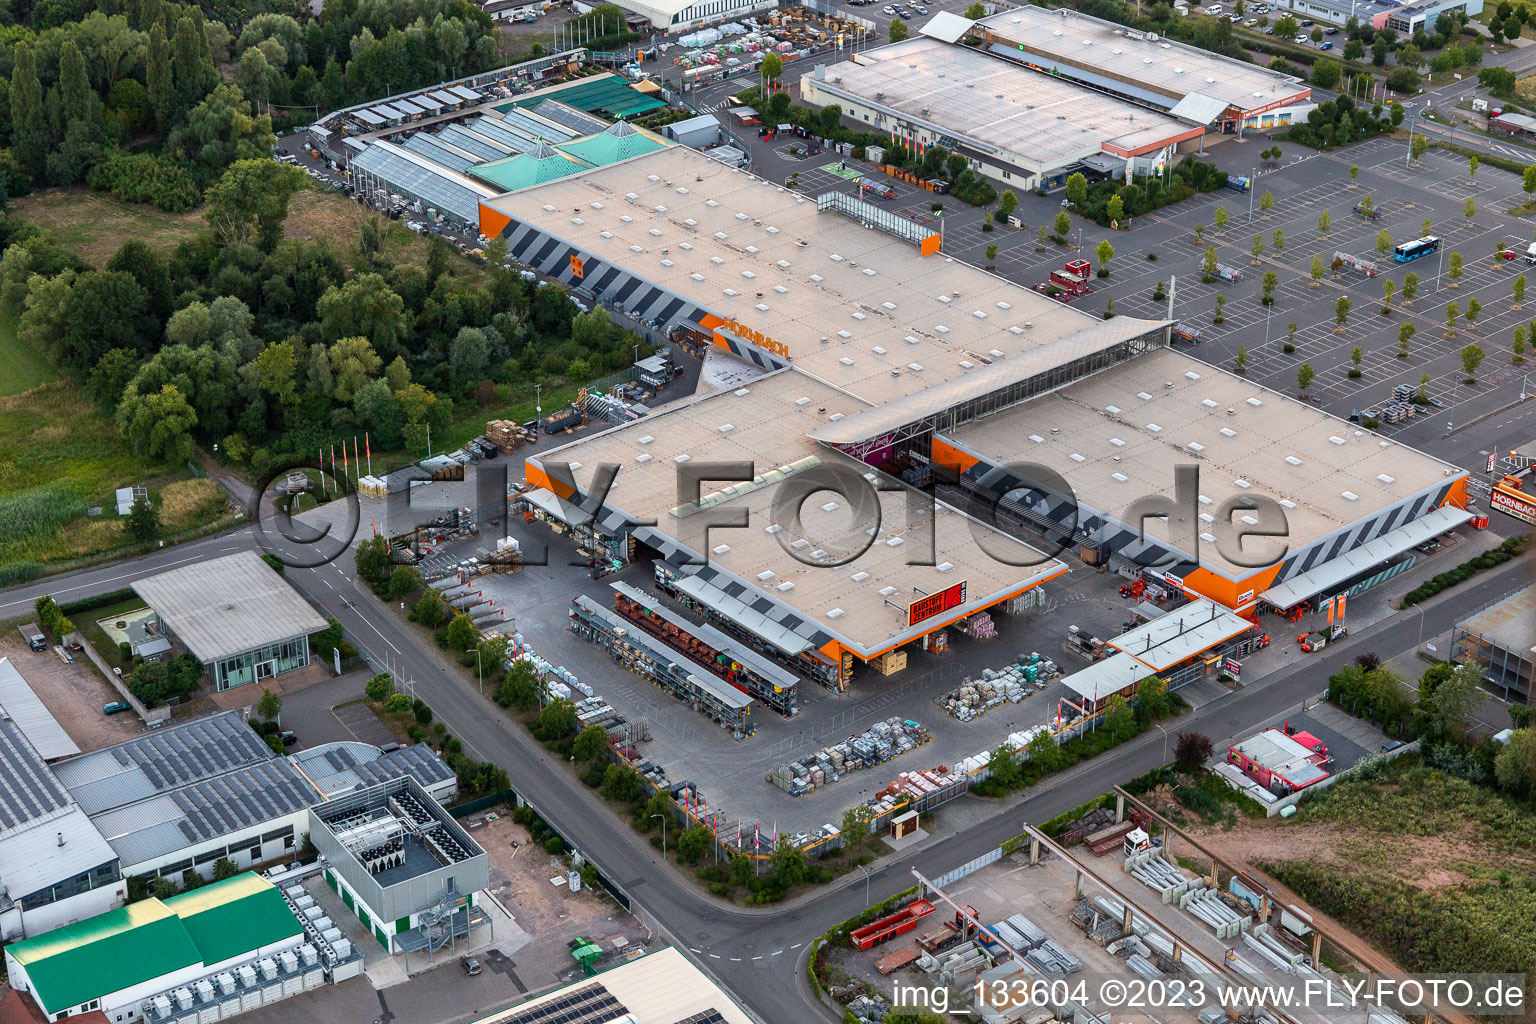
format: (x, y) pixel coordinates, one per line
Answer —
(578, 269)
(1513, 503)
(757, 338)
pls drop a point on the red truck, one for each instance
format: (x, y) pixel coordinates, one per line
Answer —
(1074, 277)
(887, 928)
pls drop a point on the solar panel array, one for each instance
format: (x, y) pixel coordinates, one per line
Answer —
(593, 1004)
(27, 789)
(709, 1016)
(579, 121)
(220, 806)
(417, 762)
(499, 131)
(194, 751)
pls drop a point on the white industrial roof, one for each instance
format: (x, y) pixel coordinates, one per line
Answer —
(45, 837)
(20, 703)
(1179, 635)
(658, 988)
(1199, 108)
(765, 424)
(1036, 120)
(1103, 678)
(345, 765)
(228, 605)
(1282, 755)
(657, 651)
(856, 308)
(1335, 571)
(1140, 60)
(1117, 436)
(946, 27)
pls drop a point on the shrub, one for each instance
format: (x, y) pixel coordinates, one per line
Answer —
(380, 687)
(20, 571)
(397, 703)
(421, 711)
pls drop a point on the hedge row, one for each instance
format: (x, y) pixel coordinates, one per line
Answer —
(1503, 163)
(1511, 548)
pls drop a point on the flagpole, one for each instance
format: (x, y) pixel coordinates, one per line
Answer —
(322, 473)
(368, 447)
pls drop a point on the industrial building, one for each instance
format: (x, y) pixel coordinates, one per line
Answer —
(663, 987)
(1408, 17)
(179, 799)
(202, 955)
(1280, 760)
(1501, 639)
(1220, 93)
(236, 615)
(1014, 124)
(1177, 646)
(895, 370)
(20, 703)
(409, 871)
(55, 866)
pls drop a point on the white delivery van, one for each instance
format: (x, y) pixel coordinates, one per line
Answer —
(1530, 253)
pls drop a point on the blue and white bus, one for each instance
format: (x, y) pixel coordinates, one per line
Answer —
(1410, 251)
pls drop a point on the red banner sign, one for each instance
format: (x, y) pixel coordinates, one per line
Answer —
(936, 604)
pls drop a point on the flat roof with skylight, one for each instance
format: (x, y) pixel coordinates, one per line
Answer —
(1116, 437)
(766, 425)
(856, 308)
(1149, 64)
(1039, 120)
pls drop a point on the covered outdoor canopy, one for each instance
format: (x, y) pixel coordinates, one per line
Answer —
(738, 612)
(1336, 570)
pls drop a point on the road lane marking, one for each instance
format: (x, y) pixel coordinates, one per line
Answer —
(714, 956)
(776, 952)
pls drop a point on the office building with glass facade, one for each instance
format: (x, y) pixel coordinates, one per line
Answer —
(236, 615)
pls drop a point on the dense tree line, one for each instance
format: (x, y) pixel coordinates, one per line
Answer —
(275, 348)
(129, 95)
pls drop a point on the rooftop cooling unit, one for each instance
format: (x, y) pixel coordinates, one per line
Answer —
(226, 983)
(268, 967)
(183, 997)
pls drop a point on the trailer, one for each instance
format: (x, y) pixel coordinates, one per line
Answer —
(887, 928)
(1229, 274)
(1186, 333)
(892, 962)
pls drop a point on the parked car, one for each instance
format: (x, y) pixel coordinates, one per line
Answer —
(113, 707)
(470, 964)
(1301, 38)
(288, 737)
(1327, 45)
(1330, 31)
(1307, 24)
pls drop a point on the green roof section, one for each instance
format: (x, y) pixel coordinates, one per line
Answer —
(619, 141)
(226, 919)
(112, 951)
(151, 938)
(606, 94)
(544, 163)
(541, 164)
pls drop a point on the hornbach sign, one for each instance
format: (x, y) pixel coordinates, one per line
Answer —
(757, 338)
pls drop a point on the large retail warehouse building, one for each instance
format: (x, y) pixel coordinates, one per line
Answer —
(892, 362)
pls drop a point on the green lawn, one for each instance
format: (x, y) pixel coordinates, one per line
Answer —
(22, 368)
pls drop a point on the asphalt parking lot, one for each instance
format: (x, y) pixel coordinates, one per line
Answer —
(1304, 185)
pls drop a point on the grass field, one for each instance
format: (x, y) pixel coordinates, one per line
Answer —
(60, 455)
(21, 367)
(96, 225)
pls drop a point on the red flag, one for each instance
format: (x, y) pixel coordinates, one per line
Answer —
(344, 469)
(333, 459)
(354, 454)
(1342, 599)
(367, 448)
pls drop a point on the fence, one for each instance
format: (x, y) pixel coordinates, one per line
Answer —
(150, 717)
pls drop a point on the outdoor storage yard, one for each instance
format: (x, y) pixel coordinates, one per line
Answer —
(1435, 872)
(1079, 922)
(73, 693)
(731, 773)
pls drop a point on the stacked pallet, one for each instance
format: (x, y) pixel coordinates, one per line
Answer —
(506, 435)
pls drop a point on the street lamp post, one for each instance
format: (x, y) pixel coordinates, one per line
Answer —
(1253, 180)
(663, 818)
(865, 868)
(478, 670)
